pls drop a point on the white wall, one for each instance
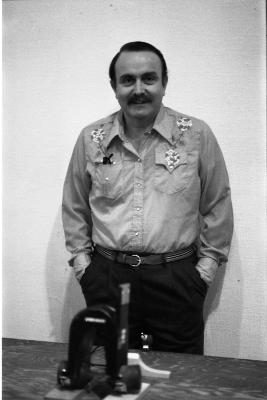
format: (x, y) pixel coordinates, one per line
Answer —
(56, 58)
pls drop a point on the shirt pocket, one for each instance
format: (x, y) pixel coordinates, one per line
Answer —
(170, 178)
(109, 180)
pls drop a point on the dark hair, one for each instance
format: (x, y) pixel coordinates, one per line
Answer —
(138, 46)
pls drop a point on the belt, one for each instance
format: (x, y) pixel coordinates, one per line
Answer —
(137, 259)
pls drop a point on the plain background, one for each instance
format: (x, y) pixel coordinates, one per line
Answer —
(55, 81)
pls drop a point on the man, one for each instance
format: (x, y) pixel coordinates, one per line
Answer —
(147, 201)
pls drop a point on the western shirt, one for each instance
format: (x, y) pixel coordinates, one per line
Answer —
(171, 194)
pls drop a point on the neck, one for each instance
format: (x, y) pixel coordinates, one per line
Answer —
(135, 129)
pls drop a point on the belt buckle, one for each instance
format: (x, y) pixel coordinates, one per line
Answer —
(138, 260)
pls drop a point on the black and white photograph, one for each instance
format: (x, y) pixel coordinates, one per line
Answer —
(134, 199)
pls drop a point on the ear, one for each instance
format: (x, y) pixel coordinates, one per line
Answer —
(113, 85)
(164, 83)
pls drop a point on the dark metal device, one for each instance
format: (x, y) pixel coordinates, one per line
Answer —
(147, 341)
(100, 325)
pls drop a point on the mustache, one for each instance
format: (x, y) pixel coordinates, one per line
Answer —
(139, 98)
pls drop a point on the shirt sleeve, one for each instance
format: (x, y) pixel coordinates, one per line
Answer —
(216, 213)
(76, 213)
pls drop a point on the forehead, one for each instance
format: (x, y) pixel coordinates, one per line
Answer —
(137, 62)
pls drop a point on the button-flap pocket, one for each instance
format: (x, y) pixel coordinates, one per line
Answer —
(170, 171)
(108, 179)
(171, 159)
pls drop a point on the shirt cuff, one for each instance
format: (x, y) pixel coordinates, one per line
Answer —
(80, 263)
(207, 267)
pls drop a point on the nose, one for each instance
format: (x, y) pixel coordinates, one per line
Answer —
(138, 88)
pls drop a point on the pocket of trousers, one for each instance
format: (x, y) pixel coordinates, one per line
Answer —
(87, 276)
(186, 275)
(95, 281)
(198, 282)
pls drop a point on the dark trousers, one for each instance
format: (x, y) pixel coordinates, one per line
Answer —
(166, 300)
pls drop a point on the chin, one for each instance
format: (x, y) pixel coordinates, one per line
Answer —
(140, 112)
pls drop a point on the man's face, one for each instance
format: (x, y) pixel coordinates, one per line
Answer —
(139, 87)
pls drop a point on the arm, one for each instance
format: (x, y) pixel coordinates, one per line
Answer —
(76, 214)
(216, 214)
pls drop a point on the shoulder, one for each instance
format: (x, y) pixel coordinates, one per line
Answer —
(104, 124)
(196, 124)
(197, 129)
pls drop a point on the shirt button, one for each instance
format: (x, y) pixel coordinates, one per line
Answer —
(139, 159)
(139, 185)
(136, 233)
(137, 208)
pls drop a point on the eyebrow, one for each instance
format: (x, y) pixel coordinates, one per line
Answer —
(152, 73)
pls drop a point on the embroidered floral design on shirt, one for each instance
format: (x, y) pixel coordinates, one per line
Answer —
(98, 135)
(184, 124)
(172, 158)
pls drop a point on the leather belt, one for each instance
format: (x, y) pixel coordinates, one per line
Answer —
(134, 260)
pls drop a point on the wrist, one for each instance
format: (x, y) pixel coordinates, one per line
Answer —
(80, 263)
(207, 268)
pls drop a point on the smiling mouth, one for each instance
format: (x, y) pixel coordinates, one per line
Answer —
(139, 102)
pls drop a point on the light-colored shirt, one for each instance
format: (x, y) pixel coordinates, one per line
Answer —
(173, 193)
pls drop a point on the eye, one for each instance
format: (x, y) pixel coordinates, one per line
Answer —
(150, 79)
(127, 80)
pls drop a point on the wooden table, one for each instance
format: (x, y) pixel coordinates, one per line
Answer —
(29, 372)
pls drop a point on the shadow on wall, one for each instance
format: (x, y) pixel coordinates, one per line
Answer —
(214, 293)
(223, 308)
(64, 295)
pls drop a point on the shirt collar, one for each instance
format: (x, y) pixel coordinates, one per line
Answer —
(116, 129)
(163, 124)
